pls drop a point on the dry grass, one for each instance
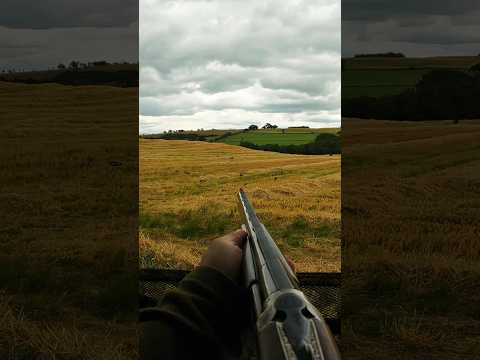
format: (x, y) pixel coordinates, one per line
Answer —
(411, 204)
(188, 197)
(21, 338)
(68, 245)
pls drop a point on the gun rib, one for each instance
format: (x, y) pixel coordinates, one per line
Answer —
(274, 270)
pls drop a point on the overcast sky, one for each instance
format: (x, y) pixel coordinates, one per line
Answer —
(36, 35)
(229, 64)
(414, 27)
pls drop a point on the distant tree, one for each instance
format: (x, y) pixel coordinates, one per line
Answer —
(269, 126)
(61, 67)
(100, 63)
(324, 143)
(439, 95)
(475, 67)
(387, 55)
(73, 65)
(253, 127)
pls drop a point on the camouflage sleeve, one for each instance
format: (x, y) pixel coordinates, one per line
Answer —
(201, 318)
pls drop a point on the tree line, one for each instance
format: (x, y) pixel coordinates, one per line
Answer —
(176, 135)
(439, 95)
(383, 55)
(323, 144)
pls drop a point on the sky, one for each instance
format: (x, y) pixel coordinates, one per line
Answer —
(227, 64)
(37, 35)
(232, 63)
(416, 28)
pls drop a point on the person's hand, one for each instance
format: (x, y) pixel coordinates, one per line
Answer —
(225, 254)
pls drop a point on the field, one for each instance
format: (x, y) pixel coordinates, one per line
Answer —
(410, 210)
(187, 198)
(290, 136)
(68, 253)
(276, 136)
(388, 76)
(49, 75)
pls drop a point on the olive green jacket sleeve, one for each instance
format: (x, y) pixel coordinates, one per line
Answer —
(202, 318)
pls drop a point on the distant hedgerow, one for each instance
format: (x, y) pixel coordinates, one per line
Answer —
(322, 145)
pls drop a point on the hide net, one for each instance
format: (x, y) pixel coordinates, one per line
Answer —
(321, 289)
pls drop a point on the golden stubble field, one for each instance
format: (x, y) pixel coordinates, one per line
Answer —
(68, 229)
(188, 197)
(410, 228)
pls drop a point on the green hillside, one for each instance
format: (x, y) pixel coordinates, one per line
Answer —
(276, 136)
(388, 76)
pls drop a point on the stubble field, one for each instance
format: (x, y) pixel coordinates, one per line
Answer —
(188, 197)
(410, 210)
(68, 255)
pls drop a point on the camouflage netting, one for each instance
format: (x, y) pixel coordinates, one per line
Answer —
(322, 289)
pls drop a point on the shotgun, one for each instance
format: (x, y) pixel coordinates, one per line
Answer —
(287, 325)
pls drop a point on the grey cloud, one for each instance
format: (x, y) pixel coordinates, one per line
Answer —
(434, 37)
(271, 57)
(444, 27)
(31, 14)
(232, 32)
(378, 10)
(42, 49)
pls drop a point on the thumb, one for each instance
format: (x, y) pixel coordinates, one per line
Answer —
(238, 237)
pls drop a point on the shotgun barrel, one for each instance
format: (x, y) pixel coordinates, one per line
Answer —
(287, 325)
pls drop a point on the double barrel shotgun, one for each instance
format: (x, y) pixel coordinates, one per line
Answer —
(287, 325)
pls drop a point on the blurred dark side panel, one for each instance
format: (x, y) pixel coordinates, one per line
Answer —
(410, 180)
(69, 179)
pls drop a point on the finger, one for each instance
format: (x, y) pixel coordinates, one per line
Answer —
(237, 237)
(290, 263)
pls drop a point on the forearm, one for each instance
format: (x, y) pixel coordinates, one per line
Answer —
(204, 309)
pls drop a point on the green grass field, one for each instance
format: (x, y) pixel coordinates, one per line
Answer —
(289, 136)
(275, 136)
(388, 76)
(379, 82)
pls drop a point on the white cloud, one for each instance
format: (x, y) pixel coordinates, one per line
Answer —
(276, 58)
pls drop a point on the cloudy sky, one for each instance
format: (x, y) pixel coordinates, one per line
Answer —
(228, 64)
(36, 35)
(416, 28)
